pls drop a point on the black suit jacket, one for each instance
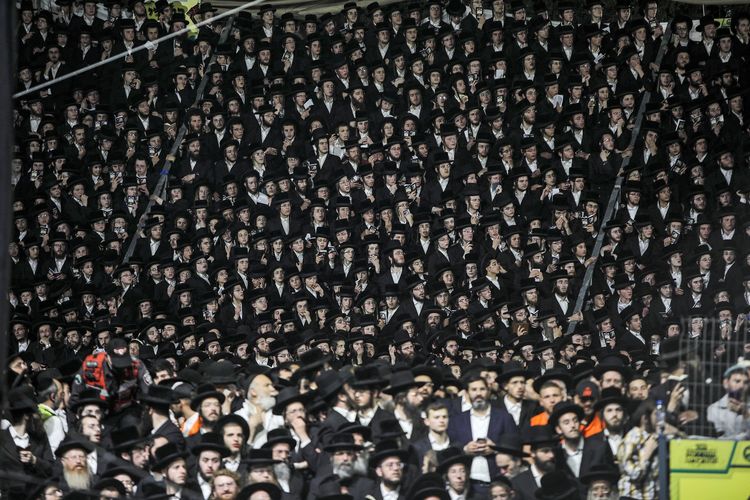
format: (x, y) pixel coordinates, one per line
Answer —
(596, 451)
(524, 485)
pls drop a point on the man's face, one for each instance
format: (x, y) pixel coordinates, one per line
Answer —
(638, 390)
(549, 397)
(736, 384)
(569, 426)
(614, 416)
(390, 470)
(544, 458)
(209, 461)
(176, 473)
(210, 409)
(437, 420)
(225, 488)
(611, 379)
(516, 387)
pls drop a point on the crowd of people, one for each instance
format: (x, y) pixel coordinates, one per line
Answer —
(349, 266)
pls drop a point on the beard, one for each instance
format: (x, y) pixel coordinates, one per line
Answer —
(267, 402)
(480, 404)
(283, 473)
(361, 463)
(546, 467)
(78, 479)
(344, 470)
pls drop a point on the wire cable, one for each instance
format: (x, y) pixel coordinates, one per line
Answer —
(139, 48)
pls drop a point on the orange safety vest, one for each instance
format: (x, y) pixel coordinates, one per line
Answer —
(594, 427)
(540, 419)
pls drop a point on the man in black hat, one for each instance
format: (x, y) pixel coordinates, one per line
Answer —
(578, 453)
(544, 449)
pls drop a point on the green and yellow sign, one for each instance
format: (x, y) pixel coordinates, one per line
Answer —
(712, 468)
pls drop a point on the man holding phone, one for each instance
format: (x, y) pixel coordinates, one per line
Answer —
(728, 413)
(477, 430)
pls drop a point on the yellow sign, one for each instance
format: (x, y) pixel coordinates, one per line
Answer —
(703, 469)
(183, 7)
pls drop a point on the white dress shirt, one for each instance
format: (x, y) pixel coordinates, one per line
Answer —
(480, 426)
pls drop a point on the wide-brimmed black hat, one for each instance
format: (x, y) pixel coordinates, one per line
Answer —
(512, 369)
(539, 436)
(341, 442)
(612, 363)
(329, 383)
(451, 456)
(553, 374)
(386, 448)
(159, 396)
(260, 457)
(205, 391)
(401, 381)
(598, 472)
(73, 443)
(610, 395)
(510, 444)
(126, 438)
(273, 491)
(561, 409)
(235, 419)
(287, 396)
(89, 397)
(165, 455)
(210, 441)
(556, 485)
(280, 435)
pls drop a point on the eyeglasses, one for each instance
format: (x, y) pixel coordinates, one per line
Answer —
(392, 465)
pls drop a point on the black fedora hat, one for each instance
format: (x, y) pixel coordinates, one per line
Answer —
(401, 381)
(553, 374)
(280, 435)
(260, 457)
(165, 455)
(612, 363)
(510, 444)
(367, 377)
(287, 396)
(601, 472)
(329, 383)
(234, 419)
(126, 438)
(556, 485)
(451, 456)
(273, 491)
(73, 443)
(210, 441)
(512, 369)
(89, 397)
(610, 395)
(205, 391)
(341, 442)
(159, 396)
(386, 448)
(539, 436)
(561, 409)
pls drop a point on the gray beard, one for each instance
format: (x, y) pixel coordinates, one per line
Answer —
(361, 463)
(266, 403)
(480, 405)
(343, 471)
(282, 472)
(77, 480)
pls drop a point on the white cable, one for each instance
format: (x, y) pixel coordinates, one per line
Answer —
(139, 48)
